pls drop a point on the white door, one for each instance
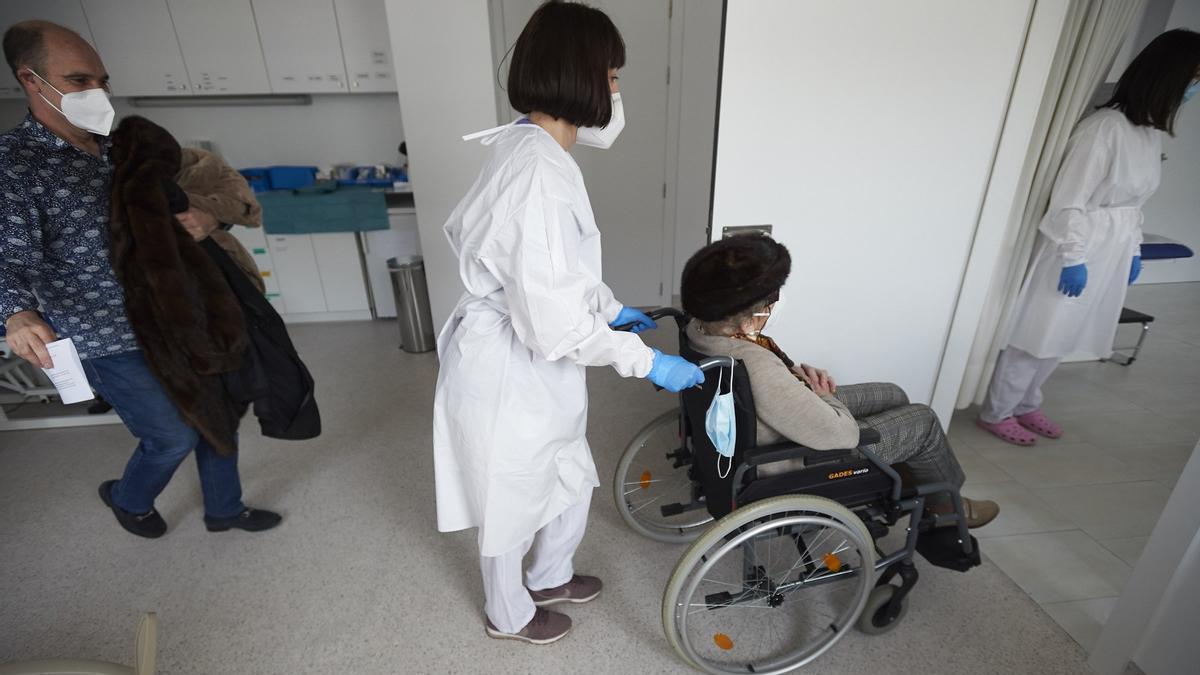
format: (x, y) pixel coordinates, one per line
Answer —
(865, 133)
(220, 46)
(365, 45)
(67, 13)
(301, 45)
(626, 183)
(136, 39)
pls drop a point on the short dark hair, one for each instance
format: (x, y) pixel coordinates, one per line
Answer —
(25, 45)
(1151, 89)
(561, 61)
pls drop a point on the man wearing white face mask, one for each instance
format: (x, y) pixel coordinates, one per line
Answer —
(56, 280)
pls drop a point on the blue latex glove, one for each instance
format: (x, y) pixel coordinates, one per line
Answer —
(629, 315)
(1136, 269)
(674, 373)
(1072, 280)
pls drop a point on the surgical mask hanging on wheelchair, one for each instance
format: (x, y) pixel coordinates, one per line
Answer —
(721, 425)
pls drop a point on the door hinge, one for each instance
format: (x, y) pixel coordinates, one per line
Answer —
(670, 8)
(664, 190)
(660, 289)
(668, 74)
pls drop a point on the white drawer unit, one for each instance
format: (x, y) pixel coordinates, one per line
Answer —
(301, 46)
(220, 46)
(67, 13)
(136, 39)
(366, 47)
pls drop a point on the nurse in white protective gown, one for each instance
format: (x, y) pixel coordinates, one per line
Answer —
(1089, 249)
(510, 412)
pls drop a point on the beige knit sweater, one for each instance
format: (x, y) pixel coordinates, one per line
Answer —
(786, 409)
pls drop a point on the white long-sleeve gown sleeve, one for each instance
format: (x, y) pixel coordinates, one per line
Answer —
(1087, 163)
(558, 310)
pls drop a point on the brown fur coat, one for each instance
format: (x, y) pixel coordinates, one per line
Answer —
(214, 186)
(187, 321)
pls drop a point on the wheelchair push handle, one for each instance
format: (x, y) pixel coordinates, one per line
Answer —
(680, 317)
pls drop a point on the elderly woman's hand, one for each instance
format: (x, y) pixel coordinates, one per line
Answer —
(820, 381)
(198, 222)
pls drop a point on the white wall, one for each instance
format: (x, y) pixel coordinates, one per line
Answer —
(865, 132)
(698, 70)
(444, 77)
(359, 129)
(1174, 211)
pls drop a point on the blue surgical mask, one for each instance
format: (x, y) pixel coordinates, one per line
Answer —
(1190, 92)
(721, 425)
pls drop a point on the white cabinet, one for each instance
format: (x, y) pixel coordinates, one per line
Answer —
(301, 45)
(295, 270)
(315, 277)
(137, 41)
(362, 25)
(220, 46)
(67, 13)
(340, 268)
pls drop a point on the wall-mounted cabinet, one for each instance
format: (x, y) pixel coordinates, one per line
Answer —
(302, 46)
(219, 41)
(366, 47)
(136, 39)
(67, 13)
(225, 47)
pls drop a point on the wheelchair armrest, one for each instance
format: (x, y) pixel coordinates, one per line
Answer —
(776, 452)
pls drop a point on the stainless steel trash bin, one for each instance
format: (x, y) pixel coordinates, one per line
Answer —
(412, 303)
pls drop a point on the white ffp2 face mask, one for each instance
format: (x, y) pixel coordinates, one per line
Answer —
(603, 137)
(89, 109)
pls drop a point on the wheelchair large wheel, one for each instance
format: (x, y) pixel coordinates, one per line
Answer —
(769, 587)
(647, 479)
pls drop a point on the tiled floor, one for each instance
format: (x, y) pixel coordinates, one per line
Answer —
(1076, 512)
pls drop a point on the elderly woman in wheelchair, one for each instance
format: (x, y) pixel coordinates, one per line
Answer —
(802, 477)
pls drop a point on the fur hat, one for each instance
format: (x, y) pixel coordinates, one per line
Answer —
(732, 275)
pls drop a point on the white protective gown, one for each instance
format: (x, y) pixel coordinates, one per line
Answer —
(1095, 217)
(510, 412)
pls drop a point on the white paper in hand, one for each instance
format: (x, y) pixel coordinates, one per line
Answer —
(67, 374)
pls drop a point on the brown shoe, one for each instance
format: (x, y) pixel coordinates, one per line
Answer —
(545, 627)
(978, 512)
(578, 590)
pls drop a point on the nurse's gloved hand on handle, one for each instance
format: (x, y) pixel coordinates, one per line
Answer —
(674, 373)
(633, 320)
(1073, 280)
(1136, 269)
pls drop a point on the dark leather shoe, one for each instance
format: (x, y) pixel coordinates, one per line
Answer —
(149, 525)
(250, 520)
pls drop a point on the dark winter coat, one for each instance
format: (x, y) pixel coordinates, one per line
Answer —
(186, 319)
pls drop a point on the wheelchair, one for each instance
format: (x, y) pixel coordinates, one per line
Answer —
(779, 566)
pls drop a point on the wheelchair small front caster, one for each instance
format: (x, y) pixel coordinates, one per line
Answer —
(873, 620)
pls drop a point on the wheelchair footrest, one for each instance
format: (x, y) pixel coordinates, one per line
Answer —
(940, 546)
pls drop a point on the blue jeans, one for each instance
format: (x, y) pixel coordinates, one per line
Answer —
(164, 439)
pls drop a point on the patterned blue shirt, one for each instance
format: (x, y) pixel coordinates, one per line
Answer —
(54, 240)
